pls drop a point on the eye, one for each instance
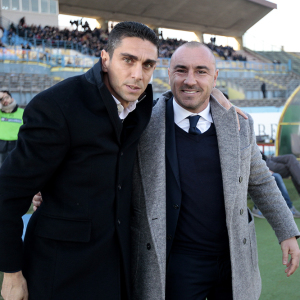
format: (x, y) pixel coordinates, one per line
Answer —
(148, 66)
(127, 60)
(180, 70)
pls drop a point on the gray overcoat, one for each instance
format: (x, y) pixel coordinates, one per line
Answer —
(242, 170)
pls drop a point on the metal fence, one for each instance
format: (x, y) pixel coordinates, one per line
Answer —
(240, 65)
(40, 56)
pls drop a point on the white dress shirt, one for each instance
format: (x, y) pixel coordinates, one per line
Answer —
(124, 112)
(181, 115)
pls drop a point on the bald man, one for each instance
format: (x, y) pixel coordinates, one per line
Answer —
(193, 236)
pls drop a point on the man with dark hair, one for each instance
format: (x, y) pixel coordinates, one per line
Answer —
(77, 146)
(117, 34)
(10, 123)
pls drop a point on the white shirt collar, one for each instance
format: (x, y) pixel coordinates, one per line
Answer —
(181, 113)
(124, 112)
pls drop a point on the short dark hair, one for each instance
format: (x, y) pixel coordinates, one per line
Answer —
(130, 29)
(7, 92)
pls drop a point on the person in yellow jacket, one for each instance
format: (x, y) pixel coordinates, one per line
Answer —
(10, 122)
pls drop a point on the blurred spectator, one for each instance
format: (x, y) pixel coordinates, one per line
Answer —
(284, 161)
(23, 51)
(286, 165)
(263, 89)
(86, 26)
(22, 22)
(13, 28)
(10, 122)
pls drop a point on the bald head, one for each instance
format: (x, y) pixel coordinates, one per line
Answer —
(202, 47)
(192, 75)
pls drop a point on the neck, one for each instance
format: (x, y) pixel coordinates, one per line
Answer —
(196, 110)
(123, 102)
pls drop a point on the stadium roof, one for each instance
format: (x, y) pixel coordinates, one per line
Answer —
(225, 17)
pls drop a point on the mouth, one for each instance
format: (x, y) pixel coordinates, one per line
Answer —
(190, 92)
(133, 88)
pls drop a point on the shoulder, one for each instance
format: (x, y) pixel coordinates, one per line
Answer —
(66, 91)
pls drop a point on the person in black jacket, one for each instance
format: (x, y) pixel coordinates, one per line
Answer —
(77, 146)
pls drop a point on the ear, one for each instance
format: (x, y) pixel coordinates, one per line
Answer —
(169, 75)
(216, 77)
(105, 60)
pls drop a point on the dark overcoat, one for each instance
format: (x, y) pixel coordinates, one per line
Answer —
(75, 150)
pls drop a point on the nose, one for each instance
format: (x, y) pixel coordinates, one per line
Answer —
(137, 72)
(190, 78)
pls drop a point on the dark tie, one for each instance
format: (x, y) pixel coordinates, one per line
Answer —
(193, 125)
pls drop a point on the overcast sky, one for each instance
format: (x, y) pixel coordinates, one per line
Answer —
(279, 28)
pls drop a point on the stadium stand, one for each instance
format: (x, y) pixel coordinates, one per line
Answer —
(241, 72)
(283, 57)
(24, 87)
(91, 42)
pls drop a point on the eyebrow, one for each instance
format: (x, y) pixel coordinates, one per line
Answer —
(184, 67)
(152, 61)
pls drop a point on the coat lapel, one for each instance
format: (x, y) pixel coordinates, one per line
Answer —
(229, 151)
(152, 163)
(107, 100)
(170, 141)
(137, 120)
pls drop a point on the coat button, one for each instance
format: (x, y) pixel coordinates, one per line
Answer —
(119, 222)
(176, 206)
(148, 246)
(169, 237)
(121, 153)
(241, 211)
(119, 187)
(240, 179)
(244, 241)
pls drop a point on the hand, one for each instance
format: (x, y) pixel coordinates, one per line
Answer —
(290, 246)
(226, 103)
(37, 201)
(14, 286)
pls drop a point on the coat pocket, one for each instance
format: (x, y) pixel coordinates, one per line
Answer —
(245, 152)
(67, 230)
(253, 242)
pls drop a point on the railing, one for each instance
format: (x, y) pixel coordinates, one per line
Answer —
(239, 65)
(22, 37)
(85, 61)
(39, 56)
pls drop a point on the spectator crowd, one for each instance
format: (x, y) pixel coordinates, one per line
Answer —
(93, 41)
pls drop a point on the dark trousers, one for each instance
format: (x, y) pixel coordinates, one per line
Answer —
(198, 277)
(283, 189)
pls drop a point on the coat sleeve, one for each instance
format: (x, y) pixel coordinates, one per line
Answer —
(266, 195)
(43, 142)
